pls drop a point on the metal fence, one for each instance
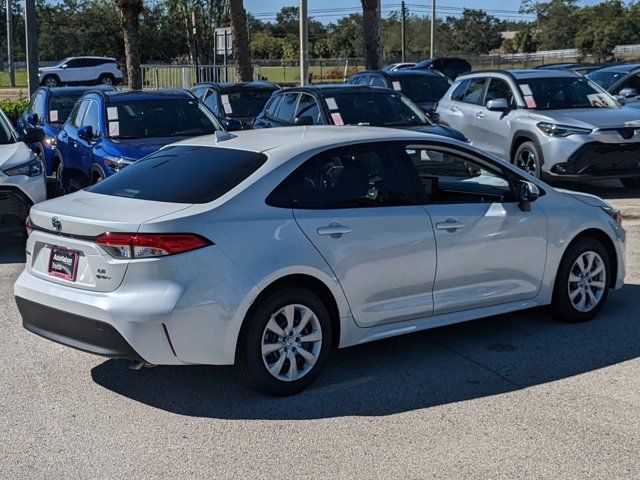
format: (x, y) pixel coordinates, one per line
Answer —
(186, 76)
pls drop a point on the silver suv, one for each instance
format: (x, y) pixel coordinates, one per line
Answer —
(556, 124)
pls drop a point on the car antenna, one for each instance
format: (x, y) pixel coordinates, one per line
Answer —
(222, 136)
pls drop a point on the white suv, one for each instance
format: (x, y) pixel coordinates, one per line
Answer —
(82, 71)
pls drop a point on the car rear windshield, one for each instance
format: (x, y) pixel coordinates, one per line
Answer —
(245, 102)
(60, 107)
(380, 109)
(183, 174)
(561, 93)
(423, 88)
(153, 118)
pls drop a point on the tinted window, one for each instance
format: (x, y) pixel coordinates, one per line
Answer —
(557, 93)
(78, 114)
(37, 106)
(245, 102)
(378, 108)
(348, 178)
(475, 90)
(423, 88)
(377, 81)
(287, 107)
(199, 91)
(78, 62)
(166, 117)
(92, 117)
(451, 178)
(499, 89)
(307, 107)
(273, 104)
(459, 91)
(211, 101)
(60, 107)
(605, 79)
(631, 82)
(183, 174)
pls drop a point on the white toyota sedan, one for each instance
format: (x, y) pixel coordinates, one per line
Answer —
(268, 248)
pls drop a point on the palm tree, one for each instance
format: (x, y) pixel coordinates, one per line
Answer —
(130, 11)
(240, 40)
(371, 24)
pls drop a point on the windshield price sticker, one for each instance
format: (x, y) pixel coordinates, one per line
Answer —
(112, 113)
(226, 104)
(396, 86)
(526, 90)
(529, 100)
(337, 118)
(331, 103)
(114, 129)
(53, 116)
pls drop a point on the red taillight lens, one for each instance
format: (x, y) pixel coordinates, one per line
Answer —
(150, 245)
(28, 225)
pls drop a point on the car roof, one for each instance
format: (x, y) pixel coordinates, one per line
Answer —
(91, 57)
(121, 95)
(331, 89)
(407, 72)
(522, 74)
(235, 86)
(63, 91)
(622, 68)
(298, 140)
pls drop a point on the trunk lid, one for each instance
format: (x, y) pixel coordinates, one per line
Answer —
(66, 228)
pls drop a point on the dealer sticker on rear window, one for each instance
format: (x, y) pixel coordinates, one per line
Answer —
(337, 118)
(331, 103)
(112, 113)
(226, 104)
(53, 116)
(396, 86)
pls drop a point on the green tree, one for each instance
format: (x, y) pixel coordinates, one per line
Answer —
(474, 32)
(602, 27)
(556, 21)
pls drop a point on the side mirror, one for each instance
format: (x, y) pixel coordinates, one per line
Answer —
(303, 121)
(33, 135)
(498, 105)
(33, 119)
(232, 125)
(628, 93)
(527, 192)
(86, 133)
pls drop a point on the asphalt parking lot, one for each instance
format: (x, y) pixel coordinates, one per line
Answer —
(515, 396)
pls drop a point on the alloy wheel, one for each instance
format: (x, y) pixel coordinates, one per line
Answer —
(291, 342)
(587, 281)
(106, 81)
(51, 82)
(526, 160)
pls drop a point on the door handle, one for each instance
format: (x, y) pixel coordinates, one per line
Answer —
(479, 114)
(454, 109)
(449, 225)
(334, 230)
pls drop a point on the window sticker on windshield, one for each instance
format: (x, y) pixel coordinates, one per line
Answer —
(526, 90)
(337, 118)
(112, 113)
(226, 104)
(331, 103)
(597, 100)
(396, 86)
(53, 116)
(529, 100)
(114, 129)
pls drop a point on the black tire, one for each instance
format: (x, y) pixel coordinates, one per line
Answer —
(249, 350)
(106, 79)
(69, 180)
(51, 81)
(60, 184)
(97, 177)
(528, 158)
(561, 307)
(631, 182)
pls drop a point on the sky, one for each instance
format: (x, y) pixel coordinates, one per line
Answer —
(329, 10)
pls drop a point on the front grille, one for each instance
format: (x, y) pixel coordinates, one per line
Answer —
(605, 159)
(13, 205)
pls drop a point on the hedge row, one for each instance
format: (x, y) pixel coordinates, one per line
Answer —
(13, 108)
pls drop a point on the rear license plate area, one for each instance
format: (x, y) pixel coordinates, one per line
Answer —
(63, 263)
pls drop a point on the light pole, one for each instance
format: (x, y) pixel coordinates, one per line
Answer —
(433, 27)
(31, 34)
(11, 65)
(304, 43)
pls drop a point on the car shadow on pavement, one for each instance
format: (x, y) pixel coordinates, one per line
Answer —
(607, 189)
(450, 364)
(12, 247)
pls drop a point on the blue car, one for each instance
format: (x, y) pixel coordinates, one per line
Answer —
(48, 110)
(107, 131)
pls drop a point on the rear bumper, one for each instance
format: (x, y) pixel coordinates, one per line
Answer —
(75, 331)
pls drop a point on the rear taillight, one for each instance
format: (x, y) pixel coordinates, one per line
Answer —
(149, 245)
(28, 225)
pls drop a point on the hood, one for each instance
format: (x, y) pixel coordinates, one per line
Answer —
(14, 154)
(136, 149)
(592, 200)
(442, 131)
(591, 117)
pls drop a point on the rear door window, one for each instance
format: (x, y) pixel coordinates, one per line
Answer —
(475, 91)
(183, 174)
(308, 107)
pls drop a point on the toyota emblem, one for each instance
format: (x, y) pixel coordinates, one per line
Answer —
(56, 224)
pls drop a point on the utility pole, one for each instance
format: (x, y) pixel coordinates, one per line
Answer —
(10, 47)
(31, 34)
(195, 45)
(304, 44)
(433, 28)
(403, 32)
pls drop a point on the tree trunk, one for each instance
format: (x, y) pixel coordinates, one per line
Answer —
(244, 72)
(130, 11)
(371, 24)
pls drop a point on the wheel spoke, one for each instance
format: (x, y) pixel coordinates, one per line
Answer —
(597, 284)
(582, 302)
(306, 316)
(590, 258)
(293, 366)
(268, 348)
(314, 336)
(275, 328)
(573, 278)
(592, 297)
(309, 357)
(289, 313)
(597, 270)
(573, 294)
(277, 367)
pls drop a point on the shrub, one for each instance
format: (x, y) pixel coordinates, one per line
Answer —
(337, 73)
(13, 108)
